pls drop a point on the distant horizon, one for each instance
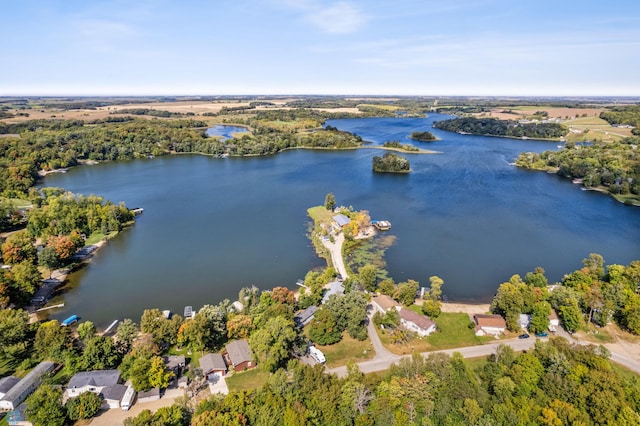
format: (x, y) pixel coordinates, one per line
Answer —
(378, 48)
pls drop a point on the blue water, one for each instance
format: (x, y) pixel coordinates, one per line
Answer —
(226, 132)
(212, 226)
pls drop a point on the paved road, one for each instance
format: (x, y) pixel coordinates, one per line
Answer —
(383, 363)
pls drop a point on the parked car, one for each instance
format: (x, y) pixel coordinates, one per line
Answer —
(542, 334)
(523, 336)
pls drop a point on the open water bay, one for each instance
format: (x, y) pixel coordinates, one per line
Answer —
(211, 226)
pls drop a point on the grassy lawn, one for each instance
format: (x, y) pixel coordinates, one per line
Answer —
(419, 344)
(96, 237)
(346, 350)
(319, 214)
(245, 380)
(453, 331)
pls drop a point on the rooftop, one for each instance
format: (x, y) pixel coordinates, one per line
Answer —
(335, 287)
(34, 375)
(94, 378)
(174, 361)
(484, 320)
(239, 352)
(114, 392)
(421, 321)
(212, 362)
(385, 302)
(303, 316)
(6, 383)
(341, 220)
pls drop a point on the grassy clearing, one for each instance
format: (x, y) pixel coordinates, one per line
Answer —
(96, 237)
(383, 107)
(319, 214)
(418, 344)
(347, 349)
(587, 121)
(18, 202)
(246, 380)
(453, 331)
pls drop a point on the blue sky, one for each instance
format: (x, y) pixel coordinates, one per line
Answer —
(400, 47)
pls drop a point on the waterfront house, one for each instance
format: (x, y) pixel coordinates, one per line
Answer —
(91, 381)
(213, 366)
(335, 287)
(23, 388)
(383, 303)
(238, 353)
(341, 221)
(6, 383)
(303, 318)
(493, 325)
(420, 324)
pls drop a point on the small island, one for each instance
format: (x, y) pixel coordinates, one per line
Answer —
(391, 163)
(423, 136)
(394, 144)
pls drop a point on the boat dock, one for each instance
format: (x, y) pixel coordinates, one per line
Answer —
(382, 225)
(113, 324)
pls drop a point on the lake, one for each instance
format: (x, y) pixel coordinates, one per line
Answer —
(211, 226)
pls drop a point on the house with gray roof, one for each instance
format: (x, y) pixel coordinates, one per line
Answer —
(175, 363)
(22, 389)
(341, 220)
(238, 353)
(112, 395)
(91, 381)
(213, 366)
(6, 383)
(304, 317)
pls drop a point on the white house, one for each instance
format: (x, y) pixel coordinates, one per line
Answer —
(383, 303)
(524, 320)
(493, 325)
(420, 324)
(91, 381)
(23, 388)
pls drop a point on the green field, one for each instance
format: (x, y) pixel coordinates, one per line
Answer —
(245, 380)
(347, 349)
(453, 331)
(320, 215)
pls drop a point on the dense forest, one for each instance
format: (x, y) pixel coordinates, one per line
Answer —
(612, 167)
(505, 128)
(391, 163)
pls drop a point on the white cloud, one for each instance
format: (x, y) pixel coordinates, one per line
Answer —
(340, 17)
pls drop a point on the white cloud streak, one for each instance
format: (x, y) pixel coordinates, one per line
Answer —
(335, 18)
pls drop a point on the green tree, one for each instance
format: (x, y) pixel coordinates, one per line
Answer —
(44, 407)
(48, 258)
(272, 343)
(324, 330)
(536, 278)
(14, 326)
(86, 331)
(100, 353)
(330, 201)
(540, 317)
(367, 277)
(52, 340)
(125, 333)
(84, 406)
(406, 292)
(26, 280)
(159, 376)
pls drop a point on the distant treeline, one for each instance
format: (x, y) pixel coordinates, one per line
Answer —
(629, 115)
(505, 128)
(151, 112)
(615, 166)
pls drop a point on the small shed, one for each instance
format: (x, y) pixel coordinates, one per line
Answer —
(149, 395)
(553, 319)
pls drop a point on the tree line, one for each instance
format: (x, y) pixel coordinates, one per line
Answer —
(391, 163)
(615, 167)
(505, 128)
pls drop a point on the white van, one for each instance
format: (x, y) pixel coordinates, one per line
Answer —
(316, 354)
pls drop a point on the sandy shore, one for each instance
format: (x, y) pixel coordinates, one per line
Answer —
(467, 308)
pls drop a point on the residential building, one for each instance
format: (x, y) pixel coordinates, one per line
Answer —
(112, 395)
(493, 325)
(413, 321)
(22, 389)
(213, 366)
(91, 381)
(303, 318)
(238, 353)
(383, 303)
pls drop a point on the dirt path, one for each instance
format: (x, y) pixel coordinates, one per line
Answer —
(335, 249)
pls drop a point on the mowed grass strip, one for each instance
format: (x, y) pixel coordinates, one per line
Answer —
(246, 380)
(453, 331)
(320, 215)
(347, 349)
